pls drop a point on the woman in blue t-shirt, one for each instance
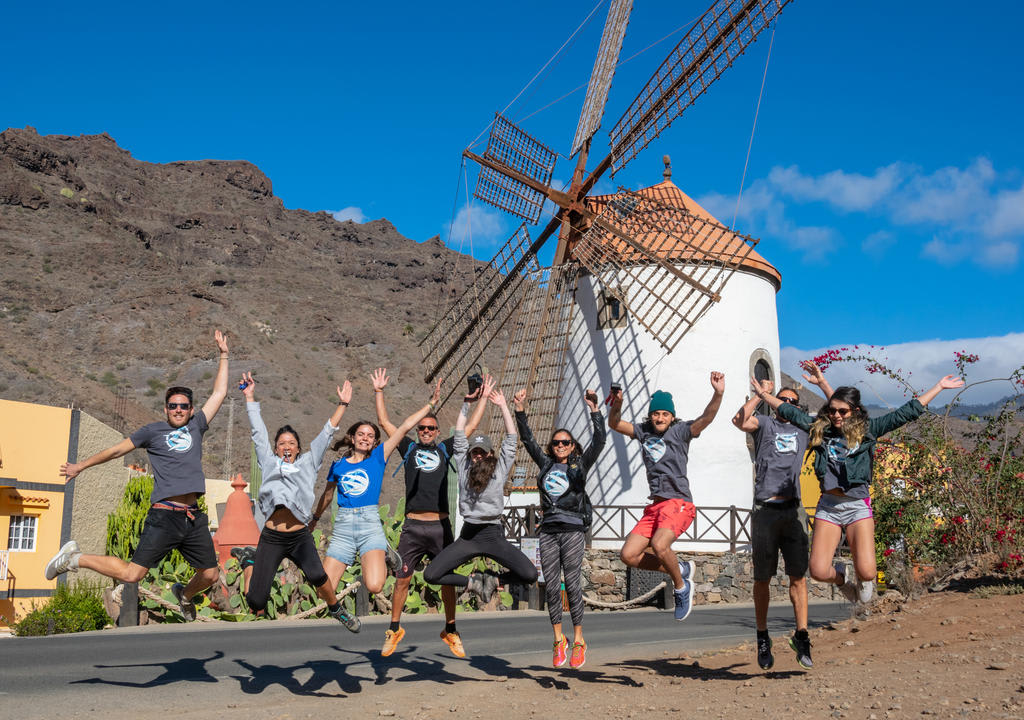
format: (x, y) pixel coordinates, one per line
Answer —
(357, 477)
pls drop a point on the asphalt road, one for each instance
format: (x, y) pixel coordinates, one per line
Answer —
(167, 667)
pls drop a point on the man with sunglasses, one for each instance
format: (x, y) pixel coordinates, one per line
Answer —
(776, 521)
(174, 521)
(426, 530)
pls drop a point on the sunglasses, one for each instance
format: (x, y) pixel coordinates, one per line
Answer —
(791, 401)
(178, 406)
(559, 443)
(426, 428)
(841, 412)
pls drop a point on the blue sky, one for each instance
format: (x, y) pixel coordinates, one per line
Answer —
(886, 178)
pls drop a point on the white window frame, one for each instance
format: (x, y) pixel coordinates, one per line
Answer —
(22, 532)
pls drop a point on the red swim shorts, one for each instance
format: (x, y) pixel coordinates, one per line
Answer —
(675, 514)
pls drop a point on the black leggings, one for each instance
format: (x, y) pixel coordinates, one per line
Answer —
(480, 541)
(562, 554)
(274, 546)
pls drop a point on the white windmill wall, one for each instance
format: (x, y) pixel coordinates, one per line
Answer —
(732, 334)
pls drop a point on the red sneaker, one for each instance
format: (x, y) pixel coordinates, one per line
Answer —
(558, 657)
(579, 655)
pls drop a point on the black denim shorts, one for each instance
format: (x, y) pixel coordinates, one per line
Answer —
(167, 530)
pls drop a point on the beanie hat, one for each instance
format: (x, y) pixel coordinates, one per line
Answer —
(661, 400)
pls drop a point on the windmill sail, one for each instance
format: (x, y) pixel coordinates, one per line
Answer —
(665, 264)
(458, 340)
(514, 148)
(604, 71)
(711, 46)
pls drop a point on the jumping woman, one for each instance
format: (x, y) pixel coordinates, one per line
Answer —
(357, 478)
(562, 482)
(843, 439)
(482, 477)
(286, 500)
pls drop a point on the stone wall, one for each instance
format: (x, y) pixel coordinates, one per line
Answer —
(719, 578)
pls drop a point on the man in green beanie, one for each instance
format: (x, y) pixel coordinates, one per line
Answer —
(666, 448)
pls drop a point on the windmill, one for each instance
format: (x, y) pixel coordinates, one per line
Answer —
(662, 264)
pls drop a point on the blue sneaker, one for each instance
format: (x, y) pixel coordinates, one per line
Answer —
(684, 600)
(686, 569)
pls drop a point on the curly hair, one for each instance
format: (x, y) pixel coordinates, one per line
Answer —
(855, 425)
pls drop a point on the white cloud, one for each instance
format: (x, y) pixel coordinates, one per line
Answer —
(926, 362)
(352, 213)
(948, 196)
(877, 242)
(1008, 215)
(1000, 256)
(476, 226)
(848, 191)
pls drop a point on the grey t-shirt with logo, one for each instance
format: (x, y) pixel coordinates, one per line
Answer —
(665, 458)
(835, 468)
(779, 449)
(176, 455)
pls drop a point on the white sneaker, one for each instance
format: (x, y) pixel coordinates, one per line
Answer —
(848, 589)
(865, 591)
(63, 560)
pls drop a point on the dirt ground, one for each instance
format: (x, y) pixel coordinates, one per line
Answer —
(947, 655)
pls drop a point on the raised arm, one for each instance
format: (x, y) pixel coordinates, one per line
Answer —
(744, 418)
(615, 421)
(318, 448)
(408, 424)
(815, 376)
(589, 456)
(718, 388)
(525, 434)
(498, 398)
(220, 384)
(380, 381)
(949, 382)
(260, 436)
(914, 409)
(479, 396)
(70, 470)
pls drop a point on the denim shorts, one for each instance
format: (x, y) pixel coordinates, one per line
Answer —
(842, 510)
(773, 528)
(356, 531)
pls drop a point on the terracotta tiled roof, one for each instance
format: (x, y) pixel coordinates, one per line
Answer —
(712, 245)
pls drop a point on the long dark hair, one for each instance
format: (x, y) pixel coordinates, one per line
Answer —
(289, 430)
(481, 472)
(855, 425)
(550, 449)
(349, 441)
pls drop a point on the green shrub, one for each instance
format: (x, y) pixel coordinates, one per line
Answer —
(74, 608)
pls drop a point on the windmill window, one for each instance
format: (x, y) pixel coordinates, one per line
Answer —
(22, 535)
(612, 313)
(762, 372)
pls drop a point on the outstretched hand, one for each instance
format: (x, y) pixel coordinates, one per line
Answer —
(380, 378)
(435, 397)
(221, 340)
(519, 399)
(591, 399)
(498, 398)
(345, 392)
(762, 386)
(248, 386)
(813, 375)
(951, 382)
(70, 470)
(718, 381)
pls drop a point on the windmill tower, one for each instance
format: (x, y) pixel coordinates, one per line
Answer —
(633, 272)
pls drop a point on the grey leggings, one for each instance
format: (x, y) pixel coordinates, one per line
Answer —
(562, 554)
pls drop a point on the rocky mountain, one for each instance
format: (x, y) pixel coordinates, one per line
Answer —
(116, 272)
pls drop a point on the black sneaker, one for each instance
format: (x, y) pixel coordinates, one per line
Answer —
(801, 644)
(244, 555)
(188, 608)
(765, 659)
(349, 621)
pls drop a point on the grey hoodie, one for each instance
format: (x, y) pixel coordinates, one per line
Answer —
(488, 505)
(288, 484)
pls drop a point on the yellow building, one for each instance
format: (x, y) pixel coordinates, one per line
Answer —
(39, 509)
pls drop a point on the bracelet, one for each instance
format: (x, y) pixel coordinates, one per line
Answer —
(376, 390)
(342, 402)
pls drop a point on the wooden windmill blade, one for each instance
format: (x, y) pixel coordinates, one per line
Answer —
(664, 263)
(532, 164)
(603, 72)
(710, 47)
(459, 338)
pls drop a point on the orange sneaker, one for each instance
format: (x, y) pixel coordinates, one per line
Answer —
(454, 643)
(558, 655)
(391, 640)
(579, 655)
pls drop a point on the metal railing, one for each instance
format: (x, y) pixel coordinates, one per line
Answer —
(722, 525)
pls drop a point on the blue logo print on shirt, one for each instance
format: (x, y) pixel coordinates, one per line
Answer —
(836, 449)
(288, 468)
(785, 442)
(427, 460)
(179, 440)
(556, 483)
(354, 483)
(655, 448)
